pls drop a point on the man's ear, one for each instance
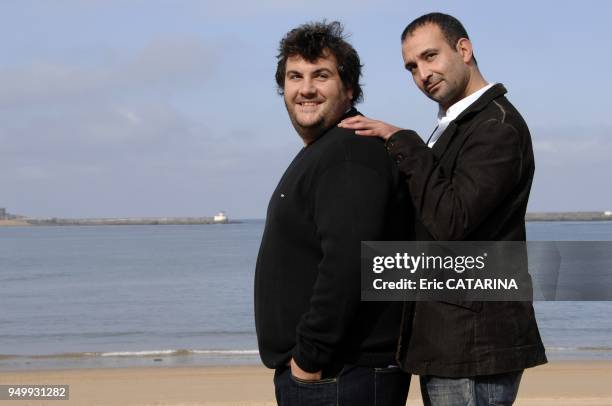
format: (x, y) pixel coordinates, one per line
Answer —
(464, 47)
(349, 93)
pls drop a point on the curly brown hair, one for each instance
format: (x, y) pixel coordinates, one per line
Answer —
(311, 41)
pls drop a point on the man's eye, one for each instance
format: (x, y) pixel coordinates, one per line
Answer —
(430, 57)
(322, 76)
(293, 77)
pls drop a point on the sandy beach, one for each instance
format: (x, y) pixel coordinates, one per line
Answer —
(558, 383)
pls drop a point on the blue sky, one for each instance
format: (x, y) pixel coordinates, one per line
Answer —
(168, 108)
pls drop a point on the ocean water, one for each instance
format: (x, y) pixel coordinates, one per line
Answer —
(183, 295)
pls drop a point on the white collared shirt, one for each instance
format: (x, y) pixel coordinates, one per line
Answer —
(445, 117)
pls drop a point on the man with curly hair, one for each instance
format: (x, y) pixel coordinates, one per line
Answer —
(328, 347)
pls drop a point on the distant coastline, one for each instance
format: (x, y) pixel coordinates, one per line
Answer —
(570, 216)
(14, 223)
(132, 221)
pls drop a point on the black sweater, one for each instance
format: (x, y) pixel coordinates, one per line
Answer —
(339, 190)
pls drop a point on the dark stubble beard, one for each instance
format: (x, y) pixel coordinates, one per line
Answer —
(309, 133)
(312, 132)
(455, 93)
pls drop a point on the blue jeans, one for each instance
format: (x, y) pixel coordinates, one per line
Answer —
(353, 386)
(488, 390)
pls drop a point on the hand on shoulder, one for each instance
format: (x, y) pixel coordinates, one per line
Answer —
(368, 127)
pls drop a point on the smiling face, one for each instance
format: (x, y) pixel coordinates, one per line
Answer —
(315, 96)
(439, 70)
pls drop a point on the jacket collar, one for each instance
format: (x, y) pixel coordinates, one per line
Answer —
(482, 102)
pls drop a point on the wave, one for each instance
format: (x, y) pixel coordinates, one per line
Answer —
(595, 349)
(145, 353)
(113, 334)
(216, 353)
(93, 334)
(578, 349)
(177, 353)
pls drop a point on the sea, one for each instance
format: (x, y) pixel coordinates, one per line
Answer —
(164, 295)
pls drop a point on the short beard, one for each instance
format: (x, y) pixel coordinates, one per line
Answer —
(309, 133)
(454, 96)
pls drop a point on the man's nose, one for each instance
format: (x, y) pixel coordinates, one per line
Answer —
(423, 72)
(307, 88)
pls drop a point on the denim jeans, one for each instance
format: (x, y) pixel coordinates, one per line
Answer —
(353, 386)
(489, 390)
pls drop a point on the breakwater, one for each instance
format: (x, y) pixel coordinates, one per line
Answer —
(130, 221)
(28, 221)
(544, 216)
(570, 216)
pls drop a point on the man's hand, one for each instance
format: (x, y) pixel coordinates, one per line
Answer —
(299, 373)
(368, 127)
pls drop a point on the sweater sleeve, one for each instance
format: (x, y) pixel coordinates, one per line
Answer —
(349, 207)
(453, 203)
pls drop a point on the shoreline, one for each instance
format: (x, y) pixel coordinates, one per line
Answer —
(196, 358)
(556, 383)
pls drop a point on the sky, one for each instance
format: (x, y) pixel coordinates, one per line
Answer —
(117, 108)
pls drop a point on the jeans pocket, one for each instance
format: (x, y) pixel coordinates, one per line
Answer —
(320, 392)
(313, 382)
